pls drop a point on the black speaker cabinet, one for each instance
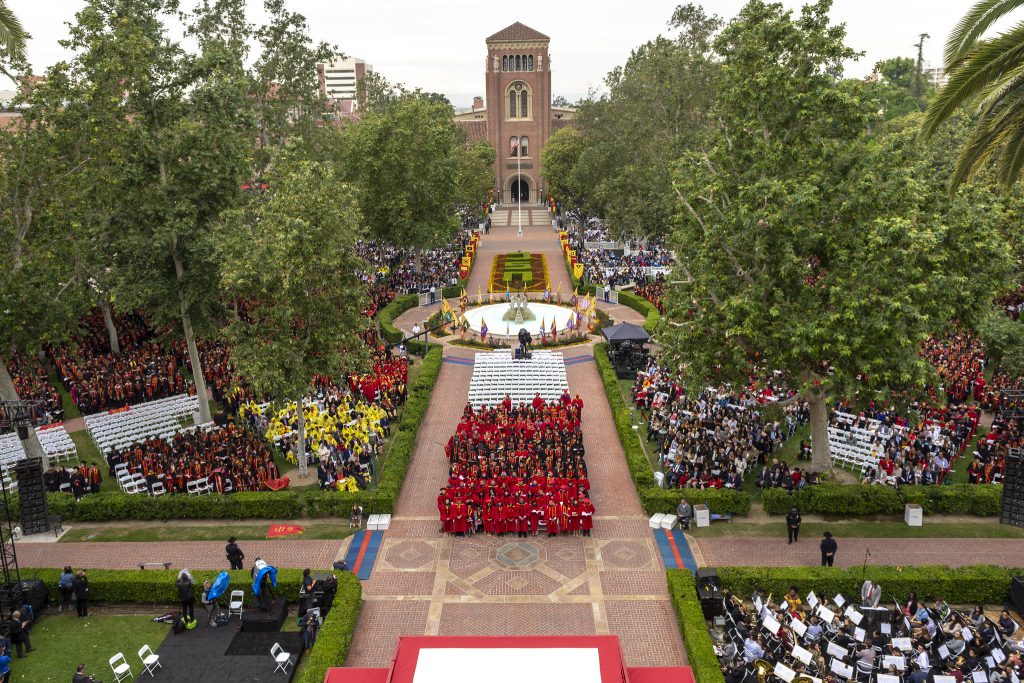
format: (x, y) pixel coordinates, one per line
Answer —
(1017, 594)
(32, 497)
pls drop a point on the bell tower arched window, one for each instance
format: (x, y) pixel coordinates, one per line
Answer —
(524, 146)
(520, 101)
(504, 63)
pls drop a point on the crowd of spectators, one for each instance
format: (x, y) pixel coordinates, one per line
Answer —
(714, 439)
(960, 361)
(1012, 303)
(32, 384)
(515, 468)
(909, 452)
(98, 379)
(230, 458)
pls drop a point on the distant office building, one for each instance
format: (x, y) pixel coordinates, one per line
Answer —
(338, 80)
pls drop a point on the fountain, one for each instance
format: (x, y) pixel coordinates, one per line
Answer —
(518, 313)
(518, 309)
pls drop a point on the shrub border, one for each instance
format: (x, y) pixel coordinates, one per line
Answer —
(157, 587)
(700, 651)
(968, 585)
(270, 504)
(982, 500)
(653, 498)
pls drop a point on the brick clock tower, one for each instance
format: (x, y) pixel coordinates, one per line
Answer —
(518, 109)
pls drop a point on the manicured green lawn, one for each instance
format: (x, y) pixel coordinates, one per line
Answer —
(174, 531)
(62, 642)
(811, 531)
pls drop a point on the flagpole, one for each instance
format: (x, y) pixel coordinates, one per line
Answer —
(519, 172)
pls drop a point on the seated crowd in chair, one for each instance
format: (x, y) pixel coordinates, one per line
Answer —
(713, 440)
(514, 468)
(230, 459)
(32, 384)
(99, 380)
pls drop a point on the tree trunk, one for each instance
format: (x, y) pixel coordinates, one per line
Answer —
(190, 341)
(300, 448)
(108, 321)
(33, 449)
(821, 454)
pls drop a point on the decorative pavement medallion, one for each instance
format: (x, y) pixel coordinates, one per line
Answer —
(518, 555)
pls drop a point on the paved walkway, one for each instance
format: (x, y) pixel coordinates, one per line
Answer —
(774, 552)
(426, 583)
(181, 554)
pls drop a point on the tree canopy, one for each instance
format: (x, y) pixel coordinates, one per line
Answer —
(805, 244)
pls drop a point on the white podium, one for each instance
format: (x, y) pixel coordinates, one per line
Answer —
(913, 515)
(702, 515)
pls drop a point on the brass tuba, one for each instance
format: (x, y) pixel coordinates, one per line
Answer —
(763, 667)
(958, 662)
(802, 679)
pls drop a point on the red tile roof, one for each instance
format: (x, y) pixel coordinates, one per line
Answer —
(516, 31)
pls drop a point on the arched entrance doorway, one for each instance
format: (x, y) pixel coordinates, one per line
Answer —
(520, 189)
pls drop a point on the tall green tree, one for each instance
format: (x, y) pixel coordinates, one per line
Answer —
(474, 169)
(803, 244)
(190, 136)
(38, 300)
(560, 164)
(656, 107)
(988, 73)
(292, 255)
(402, 158)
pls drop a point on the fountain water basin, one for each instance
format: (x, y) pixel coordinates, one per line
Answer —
(492, 314)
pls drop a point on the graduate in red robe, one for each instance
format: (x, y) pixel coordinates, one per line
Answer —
(586, 515)
(553, 517)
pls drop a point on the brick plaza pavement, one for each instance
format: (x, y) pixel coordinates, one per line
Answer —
(426, 583)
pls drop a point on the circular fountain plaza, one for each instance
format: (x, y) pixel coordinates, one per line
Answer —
(494, 316)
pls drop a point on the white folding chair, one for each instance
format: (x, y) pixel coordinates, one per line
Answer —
(149, 660)
(192, 488)
(283, 659)
(119, 665)
(235, 604)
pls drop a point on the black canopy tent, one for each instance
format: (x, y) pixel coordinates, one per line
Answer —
(627, 352)
(625, 332)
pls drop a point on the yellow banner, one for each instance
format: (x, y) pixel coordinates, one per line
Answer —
(467, 261)
(577, 270)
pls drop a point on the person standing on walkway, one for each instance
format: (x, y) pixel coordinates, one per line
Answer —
(234, 553)
(81, 588)
(793, 520)
(828, 549)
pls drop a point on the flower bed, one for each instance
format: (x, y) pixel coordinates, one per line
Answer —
(519, 271)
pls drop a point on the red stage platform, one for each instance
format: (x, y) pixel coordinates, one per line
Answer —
(510, 659)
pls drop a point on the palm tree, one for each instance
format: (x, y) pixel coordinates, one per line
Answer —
(12, 35)
(990, 72)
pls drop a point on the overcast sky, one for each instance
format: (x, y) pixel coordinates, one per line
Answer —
(438, 45)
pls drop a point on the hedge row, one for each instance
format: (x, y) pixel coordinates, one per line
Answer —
(860, 499)
(287, 504)
(977, 584)
(652, 316)
(336, 632)
(700, 651)
(653, 498)
(157, 588)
